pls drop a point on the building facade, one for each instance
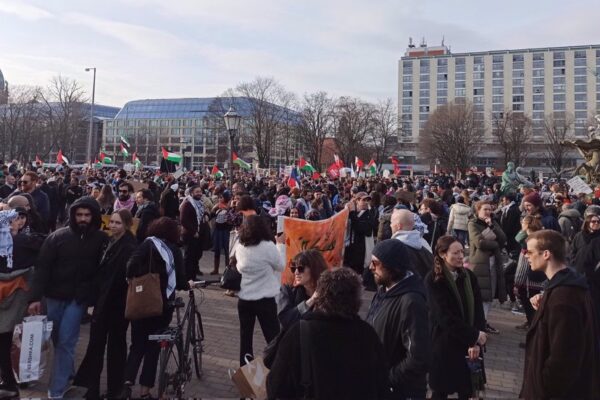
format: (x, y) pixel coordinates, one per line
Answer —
(194, 128)
(539, 82)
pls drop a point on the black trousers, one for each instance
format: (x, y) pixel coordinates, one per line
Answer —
(142, 349)
(106, 332)
(509, 279)
(192, 255)
(6, 372)
(249, 310)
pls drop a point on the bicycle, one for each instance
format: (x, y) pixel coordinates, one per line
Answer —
(175, 368)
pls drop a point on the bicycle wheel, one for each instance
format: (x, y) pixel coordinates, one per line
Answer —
(169, 374)
(197, 342)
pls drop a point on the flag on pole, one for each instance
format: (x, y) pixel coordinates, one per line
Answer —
(396, 166)
(125, 143)
(359, 163)
(38, 162)
(216, 173)
(339, 163)
(372, 167)
(239, 162)
(97, 164)
(136, 161)
(316, 176)
(294, 179)
(333, 171)
(61, 158)
(104, 158)
(173, 157)
(124, 151)
(305, 166)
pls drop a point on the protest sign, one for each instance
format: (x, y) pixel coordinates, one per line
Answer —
(579, 186)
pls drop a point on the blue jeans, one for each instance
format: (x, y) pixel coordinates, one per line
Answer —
(66, 317)
(462, 236)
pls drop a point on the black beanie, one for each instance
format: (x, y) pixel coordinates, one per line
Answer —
(393, 254)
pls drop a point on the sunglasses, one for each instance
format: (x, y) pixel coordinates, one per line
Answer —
(595, 221)
(300, 269)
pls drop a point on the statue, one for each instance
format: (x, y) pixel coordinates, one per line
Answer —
(590, 151)
(512, 178)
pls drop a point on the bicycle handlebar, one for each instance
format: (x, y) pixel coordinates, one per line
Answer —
(204, 283)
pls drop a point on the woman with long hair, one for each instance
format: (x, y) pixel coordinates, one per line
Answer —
(109, 327)
(106, 200)
(457, 323)
(158, 253)
(589, 230)
(260, 263)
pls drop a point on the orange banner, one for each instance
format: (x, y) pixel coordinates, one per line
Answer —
(327, 236)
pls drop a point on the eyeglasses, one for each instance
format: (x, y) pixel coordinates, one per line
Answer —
(299, 268)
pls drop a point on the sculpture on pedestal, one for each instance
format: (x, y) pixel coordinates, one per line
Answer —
(590, 150)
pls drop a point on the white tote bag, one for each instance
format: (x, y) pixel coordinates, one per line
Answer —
(35, 346)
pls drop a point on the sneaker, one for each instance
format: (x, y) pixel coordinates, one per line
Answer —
(491, 329)
(523, 327)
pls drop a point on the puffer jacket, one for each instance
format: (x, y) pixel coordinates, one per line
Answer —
(459, 217)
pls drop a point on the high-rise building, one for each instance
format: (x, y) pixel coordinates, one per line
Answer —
(561, 82)
(194, 128)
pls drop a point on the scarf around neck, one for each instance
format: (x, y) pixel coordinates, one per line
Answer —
(128, 204)
(198, 207)
(470, 317)
(167, 255)
(6, 240)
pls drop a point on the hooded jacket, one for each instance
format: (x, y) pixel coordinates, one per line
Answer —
(562, 355)
(400, 318)
(570, 223)
(69, 259)
(422, 257)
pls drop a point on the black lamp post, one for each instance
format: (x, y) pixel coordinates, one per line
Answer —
(232, 123)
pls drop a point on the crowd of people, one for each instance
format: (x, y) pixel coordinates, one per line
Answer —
(436, 251)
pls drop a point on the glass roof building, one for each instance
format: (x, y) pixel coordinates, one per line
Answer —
(193, 127)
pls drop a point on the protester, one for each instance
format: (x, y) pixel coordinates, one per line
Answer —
(403, 229)
(340, 353)
(64, 277)
(221, 215)
(532, 203)
(562, 350)
(260, 263)
(108, 328)
(384, 231)
(106, 200)
(589, 231)
(459, 219)
(486, 240)
(159, 254)
(147, 212)
(433, 215)
(363, 224)
(193, 216)
(28, 185)
(297, 299)
(457, 323)
(125, 198)
(8, 187)
(399, 313)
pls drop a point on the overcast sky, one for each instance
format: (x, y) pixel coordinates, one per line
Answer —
(199, 48)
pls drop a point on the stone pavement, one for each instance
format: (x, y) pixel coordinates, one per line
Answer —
(503, 360)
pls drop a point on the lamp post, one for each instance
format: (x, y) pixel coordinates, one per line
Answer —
(232, 123)
(89, 141)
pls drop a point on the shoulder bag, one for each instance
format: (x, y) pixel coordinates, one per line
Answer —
(144, 297)
(231, 279)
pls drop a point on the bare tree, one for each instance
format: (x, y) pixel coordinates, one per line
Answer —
(452, 136)
(513, 132)
(316, 123)
(353, 125)
(385, 130)
(556, 130)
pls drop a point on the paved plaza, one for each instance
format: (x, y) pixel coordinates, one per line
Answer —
(503, 360)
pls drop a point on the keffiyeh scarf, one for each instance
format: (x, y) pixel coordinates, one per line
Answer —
(6, 241)
(167, 256)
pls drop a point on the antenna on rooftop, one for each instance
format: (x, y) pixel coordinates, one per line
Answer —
(410, 43)
(423, 43)
(443, 39)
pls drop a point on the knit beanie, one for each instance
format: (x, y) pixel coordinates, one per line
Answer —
(393, 254)
(534, 199)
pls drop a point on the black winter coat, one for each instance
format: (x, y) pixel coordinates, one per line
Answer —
(360, 227)
(451, 335)
(346, 361)
(399, 316)
(110, 285)
(291, 305)
(146, 214)
(68, 260)
(510, 222)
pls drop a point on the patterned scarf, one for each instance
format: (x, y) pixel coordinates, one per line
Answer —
(128, 204)
(6, 241)
(167, 256)
(198, 207)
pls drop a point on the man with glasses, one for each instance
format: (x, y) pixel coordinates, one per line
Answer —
(28, 184)
(125, 198)
(589, 261)
(562, 355)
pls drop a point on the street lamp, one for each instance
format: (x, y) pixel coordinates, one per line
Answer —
(89, 141)
(232, 123)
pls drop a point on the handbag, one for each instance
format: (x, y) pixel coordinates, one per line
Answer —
(144, 296)
(231, 279)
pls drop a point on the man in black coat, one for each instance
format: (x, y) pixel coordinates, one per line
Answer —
(510, 222)
(363, 224)
(8, 187)
(147, 212)
(399, 315)
(64, 276)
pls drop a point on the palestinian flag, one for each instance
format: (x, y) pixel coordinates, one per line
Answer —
(125, 143)
(173, 157)
(339, 163)
(305, 166)
(104, 158)
(359, 163)
(372, 167)
(216, 173)
(294, 179)
(124, 151)
(239, 162)
(38, 162)
(316, 176)
(61, 158)
(97, 164)
(136, 161)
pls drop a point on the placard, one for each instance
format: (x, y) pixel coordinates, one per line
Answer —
(579, 186)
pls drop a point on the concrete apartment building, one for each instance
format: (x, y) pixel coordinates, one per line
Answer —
(558, 81)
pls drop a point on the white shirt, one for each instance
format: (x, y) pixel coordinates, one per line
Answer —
(261, 268)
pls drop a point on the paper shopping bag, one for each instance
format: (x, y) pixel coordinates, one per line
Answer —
(251, 379)
(35, 346)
